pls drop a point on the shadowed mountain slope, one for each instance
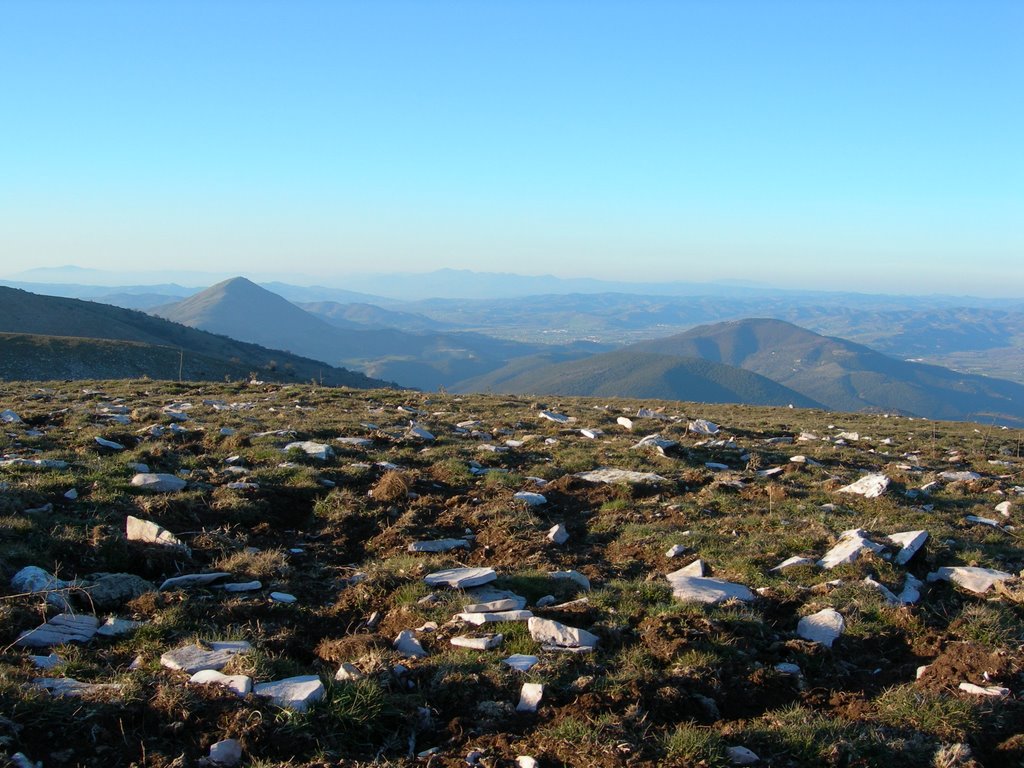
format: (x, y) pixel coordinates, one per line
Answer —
(631, 373)
(843, 375)
(30, 314)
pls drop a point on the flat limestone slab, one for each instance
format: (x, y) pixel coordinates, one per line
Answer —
(493, 606)
(495, 617)
(148, 532)
(612, 475)
(314, 450)
(530, 498)
(158, 483)
(486, 643)
(460, 578)
(973, 579)
(407, 644)
(520, 662)
(556, 633)
(193, 580)
(910, 542)
(701, 589)
(68, 686)
(850, 546)
(195, 658)
(239, 684)
(438, 545)
(869, 486)
(64, 628)
(296, 693)
(823, 627)
(529, 697)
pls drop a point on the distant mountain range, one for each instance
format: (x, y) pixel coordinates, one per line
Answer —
(46, 337)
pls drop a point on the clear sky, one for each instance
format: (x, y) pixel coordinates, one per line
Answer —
(827, 143)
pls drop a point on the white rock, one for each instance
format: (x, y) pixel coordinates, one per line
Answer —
(823, 627)
(624, 422)
(193, 580)
(794, 561)
(558, 418)
(71, 494)
(158, 483)
(655, 441)
(46, 662)
(883, 590)
(34, 580)
(486, 643)
(61, 629)
(114, 627)
(703, 427)
(911, 592)
(227, 752)
(314, 450)
(699, 589)
(493, 606)
(149, 532)
(348, 672)
(239, 684)
(407, 644)
(242, 586)
(910, 542)
(851, 545)
(612, 476)
(741, 756)
(420, 433)
(295, 693)
(526, 761)
(9, 417)
(556, 633)
(109, 444)
(520, 662)
(529, 697)
(530, 498)
(715, 466)
(696, 568)
(357, 442)
(438, 545)
(990, 690)
(67, 686)
(973, 579)
(496, 617)
(869, 486)
(461, 578)
(961, 477)
(558, 534)
(282, 597)
(571, 575)
(675, 550)
(982, 521)
(194, 658)
(486, 595)
(1004, 508)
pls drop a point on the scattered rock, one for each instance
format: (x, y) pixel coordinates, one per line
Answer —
(295, 693)
(611, 476)
(675, 550)
(192, 580)
(703, 427)
(959, 477)
(700, 589)
(407, 644)
(113, 446)
(529, 697)
(479, 619)
(574, 576)
(282, 597)
(520, 662)
(438, 545)
(558, 534)
(227, 753)
(68, 686)
(550, 632)
(348, 672)
(238, 684)
(485, 643)
(158, 483)
(973, 579)
(460, 578)
(114, 627)
(194, 658)
(312, 449)
(794, 561)
(149, 532)
(989, 690)
(851, 545)
(741, 756)
(530, 498)
(823, 627)
(910, 542)
(61, 629)
(35, 581)
(869, 486)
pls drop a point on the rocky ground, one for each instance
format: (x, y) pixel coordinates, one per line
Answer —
(265, 575)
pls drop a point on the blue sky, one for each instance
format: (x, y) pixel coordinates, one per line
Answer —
(873, 145)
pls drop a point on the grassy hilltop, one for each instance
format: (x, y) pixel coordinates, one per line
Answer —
(669, 682)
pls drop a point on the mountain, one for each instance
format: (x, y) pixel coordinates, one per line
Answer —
(370, 316)
(90, 336)
(636, 374)
(843, 375)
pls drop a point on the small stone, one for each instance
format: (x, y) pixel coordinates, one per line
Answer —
(295, 693)
(787, 668)
(34, 580)
(575, 576)
(493, 606)
(849, 547)
(242, 586)
(109, 444)
(348, 672)
(438, 545)
(479, 619)
(675, 550)
(312, 449)
(698, 589)
(61, 629)
(1004, 508)
(193, 580)
(149, 532)
(623, 421)
(545, 601)
(520, 662)
(558, 534)
(461, 578)
(794, 561)
(485, 643)
(558, 418)
(823, 627)
(227, 752)
(158, 483)
(525, 761)
(990, 690)
(703, 427)
(530, 498)
(960, 477)
(238, 684)
(194, 658)
(973, 579)
(612, 476)
(46, 662)
(529, 697)
(114, 627)
(407, 644)
(869, 486)
(558, 634)
(741, 756)
(71, 494)
(67, 686)
(910, 542)
(282, 597)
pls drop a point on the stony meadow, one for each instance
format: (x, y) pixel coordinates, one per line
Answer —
(256, 574)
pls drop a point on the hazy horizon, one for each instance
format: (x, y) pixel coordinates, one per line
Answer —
(848, 146)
